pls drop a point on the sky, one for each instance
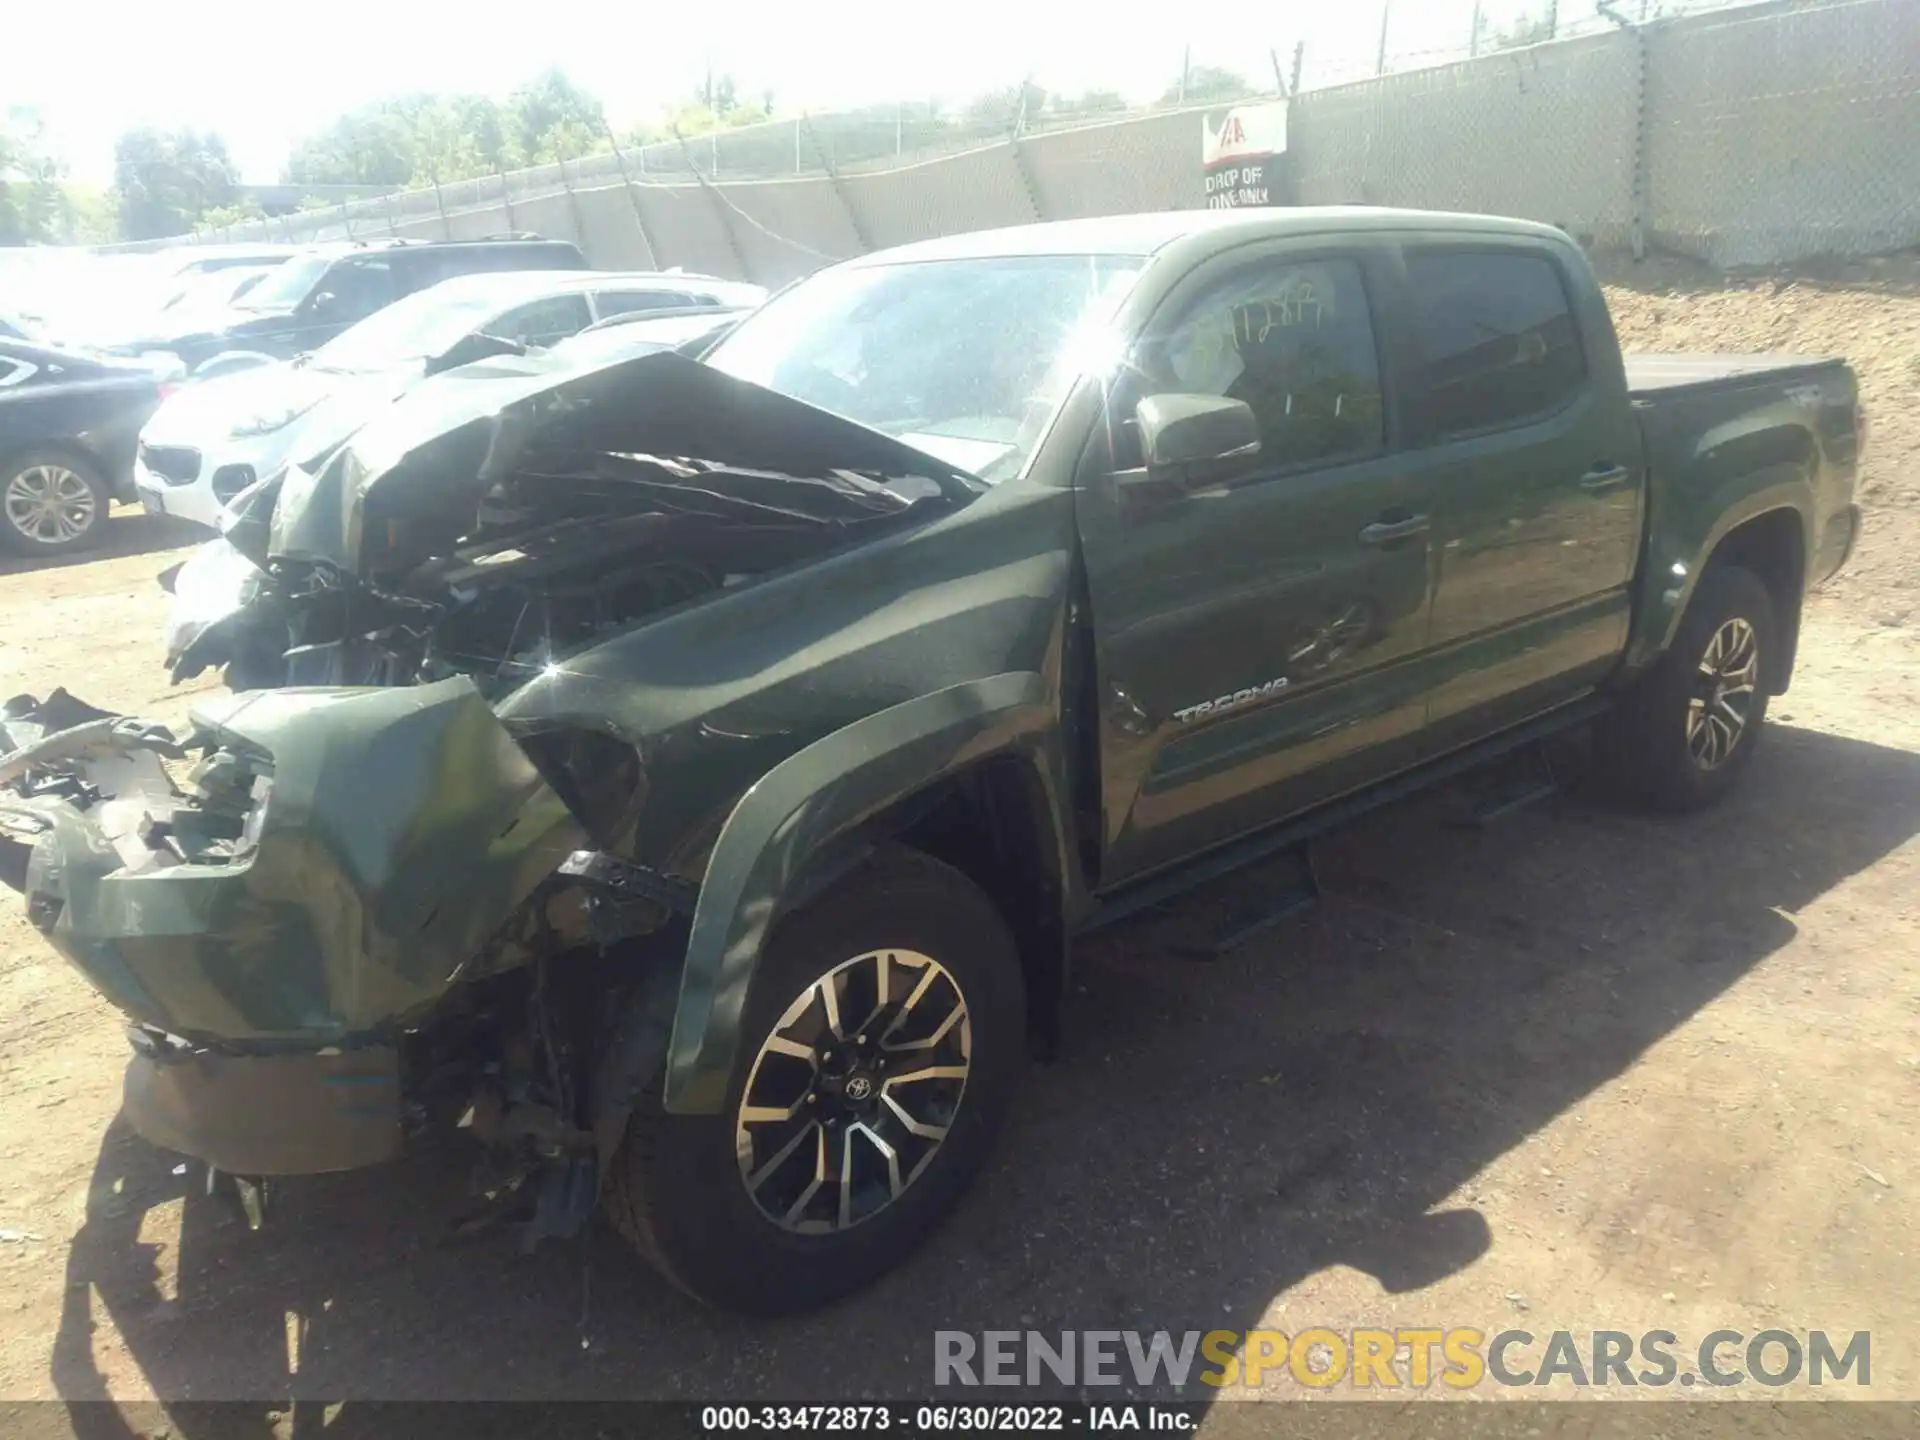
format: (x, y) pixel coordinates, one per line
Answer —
(264, 75)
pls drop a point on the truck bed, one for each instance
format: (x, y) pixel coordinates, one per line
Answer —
(1649, 376)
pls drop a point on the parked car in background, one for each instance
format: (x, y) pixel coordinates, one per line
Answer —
(325, 289)
(68, 425)
(216, 437)
(99, 301)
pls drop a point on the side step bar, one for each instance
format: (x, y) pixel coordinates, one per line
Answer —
(1156, 889)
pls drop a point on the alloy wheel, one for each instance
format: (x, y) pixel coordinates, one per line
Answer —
(1723, 692)
(50, 505)
(854, 1091)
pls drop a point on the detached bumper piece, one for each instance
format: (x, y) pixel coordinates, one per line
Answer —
(321, 875)
(296, 1114)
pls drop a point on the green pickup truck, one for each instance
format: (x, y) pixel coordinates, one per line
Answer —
(689, 775)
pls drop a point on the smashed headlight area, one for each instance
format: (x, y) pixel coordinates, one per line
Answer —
(153, 803)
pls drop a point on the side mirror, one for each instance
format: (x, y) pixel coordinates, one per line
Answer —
(324, 302)
(1194, 440)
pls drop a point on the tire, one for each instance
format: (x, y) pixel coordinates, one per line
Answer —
(678, 1189)
(1651, 745)
(28, 478)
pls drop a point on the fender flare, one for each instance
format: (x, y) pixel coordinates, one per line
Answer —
(1674, 561)
(805, 804)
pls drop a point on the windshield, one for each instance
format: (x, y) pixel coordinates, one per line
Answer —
(422, 325)
(288, 285)
(965, 359)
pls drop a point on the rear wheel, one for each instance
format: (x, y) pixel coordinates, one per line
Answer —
(1685, 734)
(880, 1044)
(50, 503)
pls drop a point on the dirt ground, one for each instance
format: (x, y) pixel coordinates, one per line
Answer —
(1580, 1069)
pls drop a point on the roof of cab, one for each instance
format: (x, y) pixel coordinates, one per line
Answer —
(1144, 234)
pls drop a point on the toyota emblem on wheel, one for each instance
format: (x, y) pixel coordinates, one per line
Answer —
(858, 1088)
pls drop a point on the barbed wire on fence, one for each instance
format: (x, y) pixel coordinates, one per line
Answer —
(1689, 132)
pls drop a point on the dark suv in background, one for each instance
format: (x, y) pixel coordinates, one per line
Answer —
(319, 291)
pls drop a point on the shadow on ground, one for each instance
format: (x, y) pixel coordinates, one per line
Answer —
(1216, 1133)
(128, 532)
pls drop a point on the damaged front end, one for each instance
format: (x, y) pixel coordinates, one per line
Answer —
(278, 899)
(352, 900)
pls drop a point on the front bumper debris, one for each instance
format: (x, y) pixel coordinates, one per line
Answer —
(330, 867)
(287, 1114)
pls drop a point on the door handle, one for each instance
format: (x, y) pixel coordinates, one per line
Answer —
(1385, 532)
(1604, 477)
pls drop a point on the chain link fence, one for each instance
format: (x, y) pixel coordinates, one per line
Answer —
(1750, 134)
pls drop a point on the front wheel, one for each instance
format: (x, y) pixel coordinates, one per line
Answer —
(51, 503)
(1683, 736)
(881, 1042)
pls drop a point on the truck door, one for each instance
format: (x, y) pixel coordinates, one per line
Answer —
(1522, 412)
(1251, 637)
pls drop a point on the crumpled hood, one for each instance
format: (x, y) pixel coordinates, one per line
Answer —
(443, 445)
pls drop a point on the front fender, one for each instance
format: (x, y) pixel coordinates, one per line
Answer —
(805, 803)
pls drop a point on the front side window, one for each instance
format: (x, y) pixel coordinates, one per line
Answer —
(1500, 344)
(1294, 340)
(626, 302)
(358, 288)
(543, 321)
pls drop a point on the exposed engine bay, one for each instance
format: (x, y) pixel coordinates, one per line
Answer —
(502, 525)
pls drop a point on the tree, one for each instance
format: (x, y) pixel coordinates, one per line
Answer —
(716, 105)
(1524, 31)
(1091, 102)
(1006, 108)
(1204, 83)
(373, 145)
(550, 118)
(167, 181)
(33, 205)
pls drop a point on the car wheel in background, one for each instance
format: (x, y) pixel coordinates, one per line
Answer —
(50, 503)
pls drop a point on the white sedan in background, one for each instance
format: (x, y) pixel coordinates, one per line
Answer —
(213, 439)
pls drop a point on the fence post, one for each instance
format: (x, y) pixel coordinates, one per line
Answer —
(1380, 55)
(573, 200)
(1016, 142)
(720, 204)
(1637, 233)
(833, 179)
(446, 225)
(346, 219)
(633, 198)
(1299, 56)
(506, 199)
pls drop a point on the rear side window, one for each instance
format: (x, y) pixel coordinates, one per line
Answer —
(626, 302)
(1498, 334)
